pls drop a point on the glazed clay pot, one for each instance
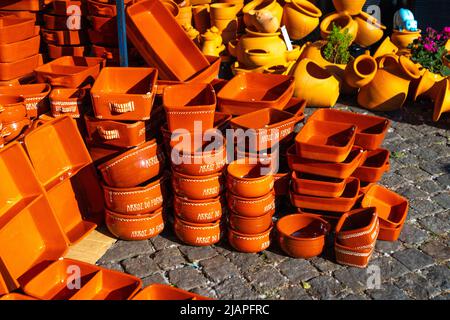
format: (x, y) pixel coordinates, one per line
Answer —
(135, 227)
(352, 7)
(64, 37)
(428, 86)
(20, 50)
(310, 81)
(204, 234)
(360, 71)
(198, 211)
(370, 30)
(386, 47)
(442, 102)
(313, 51)
(251, 207)
(300, 18)
(19, 69)
(302, 235)
(198, 187)
(404, 38)
(249, 243)
(12, 130)
(358, 228)
(250, 225)
(35, 97)
(249, 180)
(65, 101)
(389, 88)
(14, 29)
(200, 14)
(343, 20)
(251, 9)
(12, 108)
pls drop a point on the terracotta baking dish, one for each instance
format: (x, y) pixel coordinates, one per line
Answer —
(54, 22)
(58, 137)
(70, 72)
(19, 50)
(319, 186)
(66, 7)
(101, 153)
(353, 257)
(358, 228)
(249, 180)
(248, 92)
(19, 68)
(187, 103)
(365, 186)
(16, 296)
(374, 166)
(123, 134)
(325, 141)
(134, 166)
(111, 54)
(135, 227)
(370, 130)
(14, 29)
(389, 234)
(302, 235)
(198, 187)
(26, 5)
(249, 243)
(165, 292)
(199, 211)
(137, 200)
(104, 24)
(342, 204)
(24, 79)
(101, 38)
(340, 170)
(66, 101)
(251, 207)
(392, 208)
(250, 225)
(177, 57)
(64, 37)
(12, 108)
(124, 93)
(198, 234)
(331, 217)
(35, 97)
(55, 51)
(267, 127)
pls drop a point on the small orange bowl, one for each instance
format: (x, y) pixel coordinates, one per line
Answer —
(12, 108)
(198, 211)
(198, 234)
(249, 243)
(250, 225)
(251, 207)
(135, 227)
(358, 227)
(198, 187)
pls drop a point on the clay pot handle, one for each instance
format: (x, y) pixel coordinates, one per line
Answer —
(37, 124)
(5, 132)
(108, 134)
(107, 55)
(49, 36)
(232, 47)
(103, 11)
(122, 107)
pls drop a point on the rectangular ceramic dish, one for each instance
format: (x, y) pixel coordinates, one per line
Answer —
(318, 186)
(325, 141)
(55, 51)
(124, 93)
(370, 130)
(25, 5)
(64, 37)
(19, 68)
(19, 50)
(162, 42)
(374, 166)
(14, 29)
(249, 92)
(67, 102)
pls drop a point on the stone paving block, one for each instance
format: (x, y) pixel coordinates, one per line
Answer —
(419, 208)
(413, 174)
(392, 180)
(206, 292)
(165, 240)
(359, 296)
(274, 255)
(122, 250)
(293, 293)
(445, 296)
(116, 266)
(154, 278)
(438, 276)
(388, 246)
(218, 268)
(169, 258)
(246, 262)
(141, 266)
(411, 192)
(411, 234)
(388, 292)
(297, 270)
(354, 278)
(436, 224)
(266, 279)
(197, 253)
(444, 181)
(429, 186)
(235, 288)
(390, 268)
(325, 287)
(187, 278)
(325, 265)
(443, 199)
(436, 249)
(433, 167)
(416, 286)
(413, 259)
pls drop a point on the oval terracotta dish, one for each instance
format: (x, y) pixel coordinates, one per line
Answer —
(249, 243)
(135, 227)
(134, 166)
(198, 234)
(198, 187)
(12, 108)
(358, 228)
(198, 211)
(249, 180)
(137, 200)
(250, 225)
(302, 235)
(251, 207)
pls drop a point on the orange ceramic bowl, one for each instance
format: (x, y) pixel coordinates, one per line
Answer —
(12, 108)
(198, 187)
(251, 207)
(137, 200)
(355, 257)
(198, 234)
(249, 180)
(250, 225)
(135, 227)
(358, 228)
(302, 235)
(249, 243)
(198, 211)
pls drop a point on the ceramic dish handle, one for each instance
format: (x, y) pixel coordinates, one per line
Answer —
(49, 36)
(122, 107)
(103, 11)
(108, 134)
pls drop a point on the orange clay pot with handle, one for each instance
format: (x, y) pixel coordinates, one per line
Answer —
(370, 30)
(250, 225)
(249, 180)
(352, 7)
(198, 187)
(389, 88)
(442, 102)
(198, 234)
(342, 20)
(198, 211)
(386, 47)
(251, 207)
(402, 39)
(428, 85)
(360, 71)
(251, 9)
(301, 17)
(249, 243)
(12, 108)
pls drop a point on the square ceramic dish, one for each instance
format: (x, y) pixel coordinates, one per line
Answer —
(165, 292)
(162, 42)
(55, 51)
(340, 170)
(35, 96)
(124, 93)
(370, 130)
(325, 141)
(19, 50)
(374, 166)
(67, 102)
(270, 126)
(392, 208)
(19, 68)
(319, 186)
(249, 92)
(14, 29)
(70, 72)
(57, 151)
(343, 203)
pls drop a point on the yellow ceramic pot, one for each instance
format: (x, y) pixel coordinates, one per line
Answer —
(200, 14)
(256, 49)
(212, 42)
(239, 4)
(352, 7)
(389, 88)
(228, 28)
(223, 11)
(251, 8)
(360, 71)
(343, 20)
(428, 85)
(442, 103)
(386, 47)
(404, 38)
(370, 30)
(300, 17)
(312, 81)
(192, 33)
(184, 16)
(447, 45)
(446, 60)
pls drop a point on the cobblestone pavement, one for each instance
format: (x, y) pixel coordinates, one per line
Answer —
(415, 267)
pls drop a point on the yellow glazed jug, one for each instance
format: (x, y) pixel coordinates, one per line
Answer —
(300, 17)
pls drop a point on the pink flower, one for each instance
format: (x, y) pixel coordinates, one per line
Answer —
(429, 47)
(447, 29)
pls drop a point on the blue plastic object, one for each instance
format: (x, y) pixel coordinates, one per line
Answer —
(122, 32)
